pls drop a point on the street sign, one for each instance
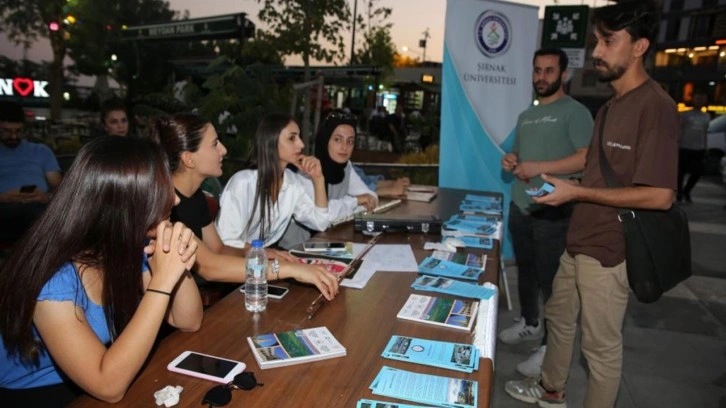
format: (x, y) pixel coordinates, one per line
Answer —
(565, 26)
(226, 26)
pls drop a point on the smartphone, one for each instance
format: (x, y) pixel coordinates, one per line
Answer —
(539, 192)
(273, 292)
(208, 367)
(29, 188)
(311, 246)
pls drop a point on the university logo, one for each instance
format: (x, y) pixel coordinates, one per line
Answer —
(493, 33)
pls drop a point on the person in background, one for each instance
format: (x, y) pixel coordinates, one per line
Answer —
(114, 117)
(86, 291)
(195, 153)
(551, 137)
(692, 146)
(397, 131)
(259, 203)
(637, 132)
(334, 144)
(29, 173)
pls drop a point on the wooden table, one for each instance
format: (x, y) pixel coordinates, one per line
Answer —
(362, 320)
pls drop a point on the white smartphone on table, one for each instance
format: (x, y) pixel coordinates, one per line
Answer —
(208, 367)
(273, 292)
(311, 246)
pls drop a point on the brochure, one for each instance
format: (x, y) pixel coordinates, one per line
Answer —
(335, 265)
(472, 227)
(453, 356)
(452, 287)
(470, 260)
(368, 403)
(422, 193)
(469, 241)
(425, 388)
(453, 313)
(488, 199)
(441, 267)
(295, 347)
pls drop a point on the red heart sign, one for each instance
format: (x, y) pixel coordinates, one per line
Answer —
(24, 86)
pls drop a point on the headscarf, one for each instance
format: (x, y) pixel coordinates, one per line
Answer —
(333, 171)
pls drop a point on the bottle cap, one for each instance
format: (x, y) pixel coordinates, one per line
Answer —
(258, 243)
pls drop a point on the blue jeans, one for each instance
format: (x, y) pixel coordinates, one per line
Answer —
(539, 240)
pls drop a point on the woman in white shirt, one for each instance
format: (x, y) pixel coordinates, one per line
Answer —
(346, 191)
(259, 203)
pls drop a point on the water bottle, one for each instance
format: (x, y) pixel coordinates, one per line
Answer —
(256, 283)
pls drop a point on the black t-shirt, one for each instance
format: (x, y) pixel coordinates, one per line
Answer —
(192, 211)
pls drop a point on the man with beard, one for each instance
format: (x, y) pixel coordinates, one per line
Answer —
(551, 137)
(637, 132)
(28, 173)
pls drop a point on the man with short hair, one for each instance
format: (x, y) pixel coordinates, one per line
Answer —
(551, 137)
(28, 174)
(637, 131)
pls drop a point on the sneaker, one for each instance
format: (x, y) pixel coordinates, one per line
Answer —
(531, 391)
(520, 332)
(532, 367)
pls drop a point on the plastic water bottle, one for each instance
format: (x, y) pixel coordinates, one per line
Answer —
(256, 282)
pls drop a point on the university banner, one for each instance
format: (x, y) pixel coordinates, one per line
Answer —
(486, 84)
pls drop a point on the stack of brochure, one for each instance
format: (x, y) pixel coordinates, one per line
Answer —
(452, 313)
(467, 240)
(452, 287)
(470, 260)
(441, 267)
(295, 347)
(439, 391)
(369, 403)
(481, 204)
(452, 356)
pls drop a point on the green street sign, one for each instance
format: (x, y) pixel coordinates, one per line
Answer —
(565, 26)
(226, 26)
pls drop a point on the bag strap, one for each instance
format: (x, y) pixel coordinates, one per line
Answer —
(608, 173)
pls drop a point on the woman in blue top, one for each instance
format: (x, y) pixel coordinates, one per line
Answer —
(81, 302)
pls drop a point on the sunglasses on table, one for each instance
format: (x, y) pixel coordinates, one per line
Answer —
(221, 395)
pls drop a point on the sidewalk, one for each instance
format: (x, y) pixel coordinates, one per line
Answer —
(675, 349)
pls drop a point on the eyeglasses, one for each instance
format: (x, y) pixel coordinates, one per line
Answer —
(221, 395)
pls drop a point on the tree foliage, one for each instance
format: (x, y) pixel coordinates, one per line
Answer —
(377, 48)
(312, 29)
(24, 21)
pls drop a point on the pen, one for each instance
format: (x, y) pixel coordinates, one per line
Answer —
(320, 300)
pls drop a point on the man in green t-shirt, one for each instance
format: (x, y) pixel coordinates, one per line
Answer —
(551, 137)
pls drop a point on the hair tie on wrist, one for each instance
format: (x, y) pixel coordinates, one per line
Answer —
(159, 291)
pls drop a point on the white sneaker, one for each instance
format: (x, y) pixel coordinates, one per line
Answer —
(520, 332)
(532, 367)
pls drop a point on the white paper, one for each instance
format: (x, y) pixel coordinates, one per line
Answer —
(382, 257)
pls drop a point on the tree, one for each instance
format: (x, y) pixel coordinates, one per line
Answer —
(378, 48)
(312, 29)
(403, 61)
(96, 36)
(24, 21)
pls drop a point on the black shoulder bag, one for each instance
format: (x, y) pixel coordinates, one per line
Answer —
(657, 243)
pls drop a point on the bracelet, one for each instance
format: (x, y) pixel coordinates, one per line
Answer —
(159, 291)
(276, 268)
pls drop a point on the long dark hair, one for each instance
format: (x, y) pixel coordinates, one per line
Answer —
(176, 134)
(333, 171)
(266, 158)
(116, 190)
